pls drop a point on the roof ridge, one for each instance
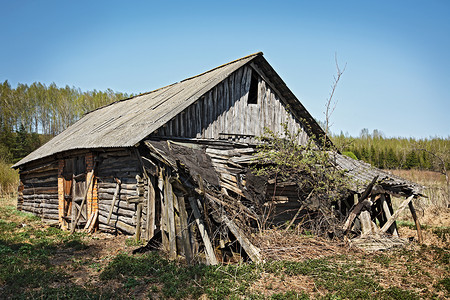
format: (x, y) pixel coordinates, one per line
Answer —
(221, 66)
(260, 53)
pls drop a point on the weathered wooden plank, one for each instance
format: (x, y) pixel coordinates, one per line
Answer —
(118, 224)
(211, 257)
(113, 203)
(170, 217)
(416, 221)
(138, 221)
(40, 190)
(122, 191)
(111, 186)
(164, 221)
(151, 209)
(396, 214)
(120, 211)
(387, 213)
(354, 212)
(184, 230)
(252, 251)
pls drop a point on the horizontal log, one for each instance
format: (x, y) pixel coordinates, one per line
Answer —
(41, 196)
(106, 228)
(31, 204)
(40, 190)
(119, 202)
(32, 210)
(112, 185)
(128, 220)
(118, 224)
(49, 212)
(121, 191)
(50, 217)
(119, 211)
(42, 168)
(111, 179)
(41, 180)
(49, 205)
(106, 196)
(38, 175)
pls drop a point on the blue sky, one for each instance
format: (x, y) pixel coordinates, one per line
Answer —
(397, 78)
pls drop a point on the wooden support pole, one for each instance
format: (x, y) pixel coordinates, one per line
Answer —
(416, 220)
(116, 192)
(150, 209)
(164, 220)
(171, 219)
(211, 257)
(184, 230)
(396, 214)
(138, 221)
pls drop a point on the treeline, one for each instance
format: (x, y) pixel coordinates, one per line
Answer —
(31, 114)
(396, 153)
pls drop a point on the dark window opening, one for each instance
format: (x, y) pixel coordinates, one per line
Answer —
(253, 92)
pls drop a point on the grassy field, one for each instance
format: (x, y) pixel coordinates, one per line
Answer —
(42, 262)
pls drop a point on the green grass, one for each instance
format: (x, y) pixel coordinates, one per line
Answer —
(26, 271)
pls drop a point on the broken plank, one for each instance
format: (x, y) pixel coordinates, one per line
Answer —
(396, 214)
(211, 257)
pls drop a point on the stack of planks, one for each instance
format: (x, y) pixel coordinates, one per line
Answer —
(231, 173)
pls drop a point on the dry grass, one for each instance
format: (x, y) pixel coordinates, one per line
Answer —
(276, 244)
(433, 210)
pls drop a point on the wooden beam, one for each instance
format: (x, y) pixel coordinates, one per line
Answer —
(416, 220)
(151, 206)
(184, 230)
(164, 221)
(396, 214)
(138, 221)
(250, 249)
(354, 212)
(171, 218)
(387, 213)
(116, 192)
(211, 257)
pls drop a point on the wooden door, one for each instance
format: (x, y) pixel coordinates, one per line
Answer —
(74, 174)
(79, 206)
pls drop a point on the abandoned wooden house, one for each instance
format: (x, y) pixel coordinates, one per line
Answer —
(174, 163)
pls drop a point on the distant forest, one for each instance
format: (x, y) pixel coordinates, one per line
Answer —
(396, 153)
(32, 114)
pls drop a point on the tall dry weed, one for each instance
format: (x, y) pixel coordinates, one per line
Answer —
(9, 180)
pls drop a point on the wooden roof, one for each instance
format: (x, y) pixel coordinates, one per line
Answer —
(362, 173)
(127, 122)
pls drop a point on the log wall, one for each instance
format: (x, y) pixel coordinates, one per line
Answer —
(124, 166)
(39, 190)
(224, 113)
